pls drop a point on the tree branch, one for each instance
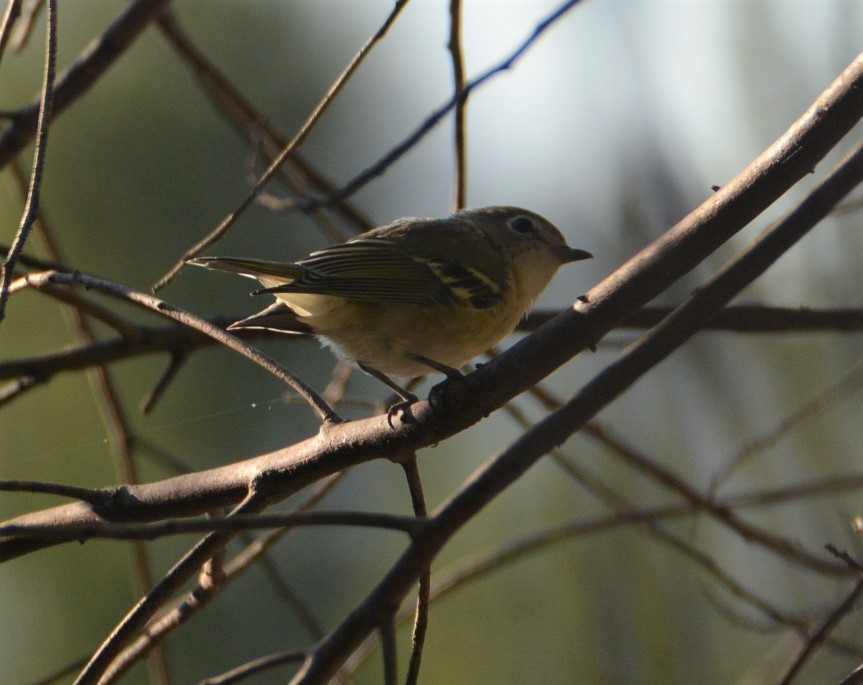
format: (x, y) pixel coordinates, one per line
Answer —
(31, 206)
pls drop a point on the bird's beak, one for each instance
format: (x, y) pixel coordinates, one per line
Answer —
(569, 254)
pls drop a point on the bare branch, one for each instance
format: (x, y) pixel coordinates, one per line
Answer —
(28, 19)
(462, 403)
(412, 475)
(180, 341)
(457, 59)
(742, 318)
(160, 628)
(265, 663)
(13, 11)
(79, 532)
(31, 206)
(84, 494)
(146, 608)
(849, 384)
(827, 625)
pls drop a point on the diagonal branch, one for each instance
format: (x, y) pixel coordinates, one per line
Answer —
(138, 617)
(500, 472)
(10, 16)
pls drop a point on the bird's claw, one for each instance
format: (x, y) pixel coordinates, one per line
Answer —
(403, 406)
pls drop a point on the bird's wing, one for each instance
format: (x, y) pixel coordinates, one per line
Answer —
(400, 263)
(369, 269)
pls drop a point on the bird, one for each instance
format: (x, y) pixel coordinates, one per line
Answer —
(414, 296)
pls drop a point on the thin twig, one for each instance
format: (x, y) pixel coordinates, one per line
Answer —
(482, 565)
(705, 503)
(93, 496)
(853, 678)
(153, 531)
(847, 385)
(421, 619)
(827, 625)
(457, 60)
(210, 579)
(260, 665)
(173, 618)
(31, 206)
(784, 547)
(819, 487)
(170, 373)
(81, 304)
(652, 526)
(16, 388)
(61, 673)
(28, 21)
(27, 260)
(146, 608)
(146, 340)
(337, 386)
(13, 11)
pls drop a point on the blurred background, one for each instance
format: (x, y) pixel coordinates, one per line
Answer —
(614, 126)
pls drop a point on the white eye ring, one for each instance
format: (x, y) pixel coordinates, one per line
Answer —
(522, 224)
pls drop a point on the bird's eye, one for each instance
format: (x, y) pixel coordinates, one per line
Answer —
(522, 224)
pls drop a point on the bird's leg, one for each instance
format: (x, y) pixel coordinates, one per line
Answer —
(407, 398)
(447, 371)
(451, 374)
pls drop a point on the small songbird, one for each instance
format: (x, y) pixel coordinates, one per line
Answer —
(415, 296)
